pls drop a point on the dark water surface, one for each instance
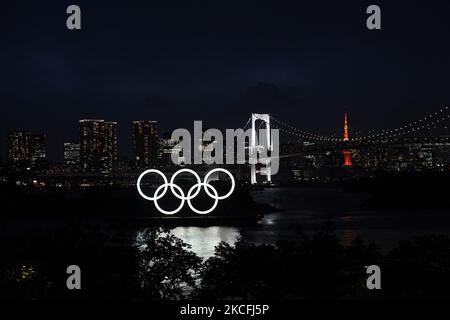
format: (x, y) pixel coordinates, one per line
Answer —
(309, 209)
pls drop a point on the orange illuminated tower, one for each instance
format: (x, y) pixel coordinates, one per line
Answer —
(347, 158)
(345, 127)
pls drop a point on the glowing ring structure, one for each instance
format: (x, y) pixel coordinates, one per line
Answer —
(178, 192)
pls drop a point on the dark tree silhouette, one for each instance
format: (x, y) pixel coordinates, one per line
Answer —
(237, 272)
(167, 267)
(317, 267)
(418, 268)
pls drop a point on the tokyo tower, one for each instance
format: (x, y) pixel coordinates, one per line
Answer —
(347, 157)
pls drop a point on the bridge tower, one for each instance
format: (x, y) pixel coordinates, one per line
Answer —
(255, 147)
(347, 157)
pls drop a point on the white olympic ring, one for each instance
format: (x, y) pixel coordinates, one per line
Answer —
(178, 192)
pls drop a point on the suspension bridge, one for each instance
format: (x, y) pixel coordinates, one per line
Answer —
(417, 131)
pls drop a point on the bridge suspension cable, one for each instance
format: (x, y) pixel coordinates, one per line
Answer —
(428, 122)
(304, 134)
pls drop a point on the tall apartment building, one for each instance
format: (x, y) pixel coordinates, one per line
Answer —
(98, 146)
(26, 150)
(145, 143)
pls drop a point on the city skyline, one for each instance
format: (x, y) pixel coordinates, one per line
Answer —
(144, 136)
(399, 149)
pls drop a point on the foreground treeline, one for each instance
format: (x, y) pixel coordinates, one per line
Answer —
(160, 266)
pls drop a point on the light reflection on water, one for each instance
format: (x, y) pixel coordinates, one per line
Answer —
(204, 239)
(347, 234)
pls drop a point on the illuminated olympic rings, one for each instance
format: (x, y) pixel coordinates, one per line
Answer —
(178, 192)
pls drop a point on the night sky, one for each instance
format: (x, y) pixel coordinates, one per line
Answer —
(218, 61)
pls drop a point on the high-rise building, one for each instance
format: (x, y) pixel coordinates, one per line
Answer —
(168, 149)
(145, 143)
(109, 154)
(19, 149)
(72, 154)
(38, 150)
(26, 150)
(98, 145)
